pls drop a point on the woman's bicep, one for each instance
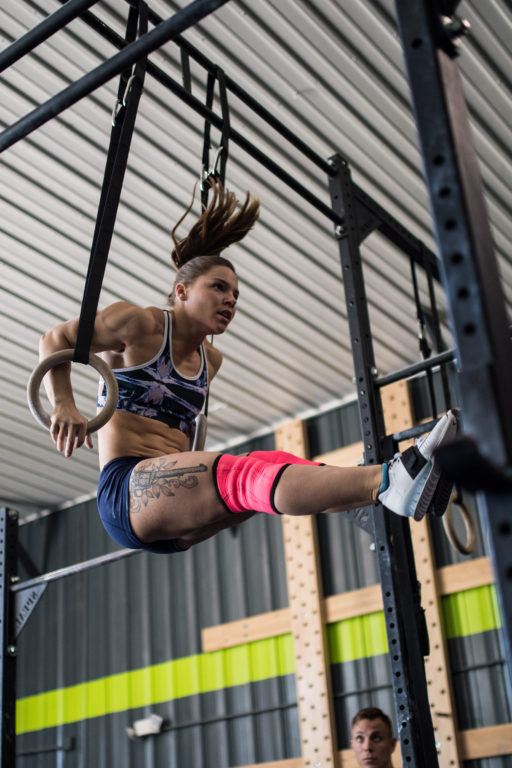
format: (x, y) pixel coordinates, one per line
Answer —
(62, 336)
(110, 331)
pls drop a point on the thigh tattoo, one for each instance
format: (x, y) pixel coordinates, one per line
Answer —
(161, 476)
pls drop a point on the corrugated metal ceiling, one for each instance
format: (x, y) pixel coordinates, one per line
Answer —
(332, 71)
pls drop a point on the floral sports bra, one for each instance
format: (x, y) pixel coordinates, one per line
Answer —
(158, 391)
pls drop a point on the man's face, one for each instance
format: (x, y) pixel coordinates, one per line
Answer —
(372, 743)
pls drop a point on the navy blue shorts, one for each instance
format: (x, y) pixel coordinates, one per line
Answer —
(114, 504)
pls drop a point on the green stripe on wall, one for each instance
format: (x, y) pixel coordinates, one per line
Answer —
(192, 675)
(465, 613)
(357, 638)
(471, 612)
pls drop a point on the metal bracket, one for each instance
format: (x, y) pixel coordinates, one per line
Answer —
(362, 517)
(24, 603)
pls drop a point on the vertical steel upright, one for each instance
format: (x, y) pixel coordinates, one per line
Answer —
(469, 268)
(405, 623)
(8, 564)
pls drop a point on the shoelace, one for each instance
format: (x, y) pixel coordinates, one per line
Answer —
(396, 458)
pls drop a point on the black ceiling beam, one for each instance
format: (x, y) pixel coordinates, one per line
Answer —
(187, 17)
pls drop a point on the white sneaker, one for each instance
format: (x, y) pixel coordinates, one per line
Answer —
(414, 475)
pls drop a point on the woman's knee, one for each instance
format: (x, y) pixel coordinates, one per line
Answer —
(245, 483)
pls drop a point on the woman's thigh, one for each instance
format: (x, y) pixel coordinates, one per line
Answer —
(174, 495)
(206, 531)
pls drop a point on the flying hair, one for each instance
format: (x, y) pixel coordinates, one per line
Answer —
(220, 224)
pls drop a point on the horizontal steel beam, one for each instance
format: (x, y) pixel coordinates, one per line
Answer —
(388, 225)
(413, 432)
(55, 21)
(147, 43)
(71, 570)
(414, 368)
(182, 93)
(304, 148)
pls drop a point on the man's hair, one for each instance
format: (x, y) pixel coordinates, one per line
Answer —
(373, 713)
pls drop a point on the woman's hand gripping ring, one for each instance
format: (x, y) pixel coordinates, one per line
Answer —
(66, 355)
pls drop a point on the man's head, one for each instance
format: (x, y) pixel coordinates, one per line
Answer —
(372, 738)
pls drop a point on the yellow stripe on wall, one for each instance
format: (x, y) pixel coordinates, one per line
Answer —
(191, 675)
(471, 612)
(357, 638)
(465, 613)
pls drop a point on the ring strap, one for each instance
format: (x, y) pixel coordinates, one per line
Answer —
(123, 123)
(222, 155)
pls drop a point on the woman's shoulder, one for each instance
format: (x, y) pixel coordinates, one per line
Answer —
(126, 313)
(213, 356)
(128, 324)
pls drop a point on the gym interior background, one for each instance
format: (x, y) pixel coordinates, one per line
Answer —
(147, 635)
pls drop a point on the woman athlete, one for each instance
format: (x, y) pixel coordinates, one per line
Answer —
(154, 493)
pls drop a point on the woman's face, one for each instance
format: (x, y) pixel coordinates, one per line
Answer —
(211, 299)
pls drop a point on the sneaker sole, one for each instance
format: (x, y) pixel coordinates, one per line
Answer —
(437, 490)
(441, 497)
(427, 494)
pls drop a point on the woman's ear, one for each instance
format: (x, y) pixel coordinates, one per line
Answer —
(181, 291)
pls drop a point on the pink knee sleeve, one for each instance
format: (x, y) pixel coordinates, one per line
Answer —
(282, 457)
(246, 484)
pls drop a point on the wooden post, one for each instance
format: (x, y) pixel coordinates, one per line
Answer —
(397, 407)
(307, 608)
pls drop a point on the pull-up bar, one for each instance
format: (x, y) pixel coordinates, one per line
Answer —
(415, 368)
(304, 148)
(390, 227)
(149, 42)
(71, 570)
(166, 31)
(27, 593)
(169, 30)
(55, 21)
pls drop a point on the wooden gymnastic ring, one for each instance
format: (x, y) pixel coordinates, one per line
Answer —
(63, 356)
(469, 546)
(200, 427)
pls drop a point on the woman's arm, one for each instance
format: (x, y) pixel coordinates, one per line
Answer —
(214, 359)
(116, 327)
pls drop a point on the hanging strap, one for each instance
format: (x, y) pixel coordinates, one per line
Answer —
(123, 123)
(185, 70)
(218, 171)
(205, 160)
